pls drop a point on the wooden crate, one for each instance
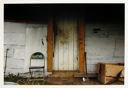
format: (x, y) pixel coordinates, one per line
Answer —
(108, 72)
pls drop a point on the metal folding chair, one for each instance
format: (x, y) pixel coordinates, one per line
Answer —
(37, 56)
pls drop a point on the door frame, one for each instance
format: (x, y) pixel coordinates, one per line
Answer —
(81, 45)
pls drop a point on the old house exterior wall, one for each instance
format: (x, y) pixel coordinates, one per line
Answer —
(107, 45)
(36, 41)
(14, 39)
(22, 40)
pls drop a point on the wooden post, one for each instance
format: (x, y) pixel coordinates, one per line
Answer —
(50, 45)
(81, 45)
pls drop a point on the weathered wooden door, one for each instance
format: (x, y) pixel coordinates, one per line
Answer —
(65, 45)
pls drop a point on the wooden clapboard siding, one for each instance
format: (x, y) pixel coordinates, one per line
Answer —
(81, 45)
(50, 45)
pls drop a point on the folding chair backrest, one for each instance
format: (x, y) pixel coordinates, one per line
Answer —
(37, 59)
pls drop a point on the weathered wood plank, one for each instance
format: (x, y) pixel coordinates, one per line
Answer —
(67, 50)
(56, 55)
(50, 45)
(61, 67)
(81, 45)
(75, 43)
(70, 27)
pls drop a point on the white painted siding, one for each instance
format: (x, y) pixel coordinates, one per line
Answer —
(35, 34)
(14, 27)
(22, 40)
(106, 46)
(14, 39)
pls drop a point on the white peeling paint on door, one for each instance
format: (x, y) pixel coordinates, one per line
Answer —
(65, 52)
(35, 34)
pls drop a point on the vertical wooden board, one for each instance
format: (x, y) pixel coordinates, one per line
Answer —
(63, 42)
(103, 69)
(70, 45)
(60, 40)
(60, 56)
(56, 56)
(56, 51)
(75, 46)
(50, 45)
(57, 47)
(57, 60)
(81, 45)
(73, 29)
(66, 62)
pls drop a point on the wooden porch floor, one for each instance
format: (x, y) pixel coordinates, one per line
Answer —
(76, 81)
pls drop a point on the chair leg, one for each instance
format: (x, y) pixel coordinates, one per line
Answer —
(30, 73)
(43, 75)
(43, 72)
